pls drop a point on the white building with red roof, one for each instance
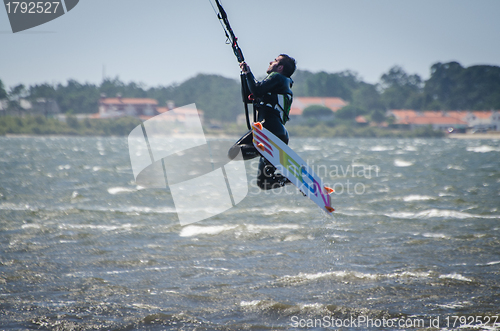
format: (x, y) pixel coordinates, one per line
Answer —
(137, 107)
(188, 115)
(444, 120)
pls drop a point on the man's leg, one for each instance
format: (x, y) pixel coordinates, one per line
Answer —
(245, 145)
(267, 179)
(265, 175)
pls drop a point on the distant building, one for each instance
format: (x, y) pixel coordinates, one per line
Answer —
(191, 117)
(361, 120)
(301, 103)
(483, 120)
(143, 108)
(46, 107)
(41, 106)
(444, 120)
(146, 109)
(4, 105)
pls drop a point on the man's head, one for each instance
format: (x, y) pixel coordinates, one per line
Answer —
(283, 64)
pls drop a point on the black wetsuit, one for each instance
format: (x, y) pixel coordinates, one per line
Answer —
(273, 98)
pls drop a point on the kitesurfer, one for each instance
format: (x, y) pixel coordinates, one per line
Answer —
(272, 98)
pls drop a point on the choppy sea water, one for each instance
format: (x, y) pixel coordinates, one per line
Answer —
(414, 239)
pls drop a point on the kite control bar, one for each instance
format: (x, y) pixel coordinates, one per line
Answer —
(231, 38)
(233, 41)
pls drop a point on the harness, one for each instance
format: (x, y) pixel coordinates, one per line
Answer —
(282, 106)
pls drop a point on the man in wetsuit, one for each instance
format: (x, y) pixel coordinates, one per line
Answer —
(272, 100)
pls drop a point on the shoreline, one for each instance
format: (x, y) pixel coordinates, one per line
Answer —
(490, 135)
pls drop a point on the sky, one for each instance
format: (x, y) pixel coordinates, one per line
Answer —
(165, 42)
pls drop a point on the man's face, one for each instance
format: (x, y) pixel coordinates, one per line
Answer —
(274, 65)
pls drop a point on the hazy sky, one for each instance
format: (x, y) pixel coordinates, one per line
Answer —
(160, 42)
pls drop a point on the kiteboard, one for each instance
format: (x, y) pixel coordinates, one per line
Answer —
(292, 166)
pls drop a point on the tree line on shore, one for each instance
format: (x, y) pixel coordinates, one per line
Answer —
(450, 87)
(41, 125)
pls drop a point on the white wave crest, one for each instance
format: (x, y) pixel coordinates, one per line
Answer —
(416, 197)
(311, 148)
(117, 190)
(250, 303)
(17, 207)
(379, 148)
(196, 230)
(439, 213)
(260, 228)
(436, 235)
(104, 228)
(455, 167)
(352, 275)
(410, 148)
(401, 163)
(456, 276)
(483, 149)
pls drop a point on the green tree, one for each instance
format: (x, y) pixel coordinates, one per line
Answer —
(401, 90)
(217, 96)
(81, 98)
(378, 116)
(17, 92)
(452, 86)
(481, 84)
(349, 112)
(3, 93)
(440, 88)
(367, 98)
(323, 84)
(317, 111)
(113, 87)
(72, 122)
(42, 91)
(15, 95)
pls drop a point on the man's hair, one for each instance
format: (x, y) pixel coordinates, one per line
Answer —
(289, 64)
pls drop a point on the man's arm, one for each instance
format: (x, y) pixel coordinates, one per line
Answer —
(259, 89)
(263, 87)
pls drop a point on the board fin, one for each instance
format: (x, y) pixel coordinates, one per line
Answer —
(329, 190)
(258, 125)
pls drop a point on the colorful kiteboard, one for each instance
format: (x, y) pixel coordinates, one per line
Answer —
(292, 166)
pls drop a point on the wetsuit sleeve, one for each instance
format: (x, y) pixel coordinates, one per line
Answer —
(265, 86)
